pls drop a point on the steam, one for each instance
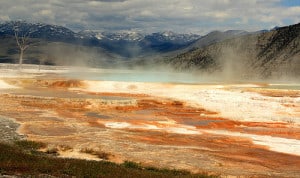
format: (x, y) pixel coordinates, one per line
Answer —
(57, 53)
(242, 60)
(233, 65)
(234, 60)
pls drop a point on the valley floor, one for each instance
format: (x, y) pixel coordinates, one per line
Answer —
(226, 129)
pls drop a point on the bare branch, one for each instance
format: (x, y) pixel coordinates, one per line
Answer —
(25, 47)
(17, 38)
(22, 42)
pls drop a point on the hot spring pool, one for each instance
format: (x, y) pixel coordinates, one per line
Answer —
(123, 75)
(138, 76)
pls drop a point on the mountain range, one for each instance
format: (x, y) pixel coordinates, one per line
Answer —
(125, 44)
(131, 44)
(100, 47)
(263, 53)
(269, 54)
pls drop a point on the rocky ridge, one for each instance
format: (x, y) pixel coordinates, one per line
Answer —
(275, 53)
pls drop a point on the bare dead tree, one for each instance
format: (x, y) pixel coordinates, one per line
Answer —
(23, 44)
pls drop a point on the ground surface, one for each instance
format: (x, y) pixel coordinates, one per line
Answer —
(232, 129)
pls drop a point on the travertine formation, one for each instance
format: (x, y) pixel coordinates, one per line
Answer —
(241, 130)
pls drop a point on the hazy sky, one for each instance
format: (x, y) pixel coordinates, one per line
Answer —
(196, 16)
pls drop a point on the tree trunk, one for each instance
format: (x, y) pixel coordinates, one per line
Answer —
(40, 65)
(21, 58)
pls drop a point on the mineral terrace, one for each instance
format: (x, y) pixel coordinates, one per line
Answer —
(226, 129)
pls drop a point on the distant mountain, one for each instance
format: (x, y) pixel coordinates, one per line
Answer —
(52, 44)
(266, 54)
(208, 39)
(217, 36)
(125, 44)
(39, 30)
(167, 41)
(263, 53)
(115, 45)
(132, 44)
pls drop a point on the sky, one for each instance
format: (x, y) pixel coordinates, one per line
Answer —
(148, 16)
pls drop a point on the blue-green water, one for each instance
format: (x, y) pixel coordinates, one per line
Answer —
(148, 77)
(166, 77)
(139, 76)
